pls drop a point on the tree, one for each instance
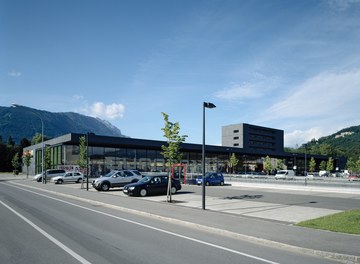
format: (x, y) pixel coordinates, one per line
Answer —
(322, 165)
(27, 161)
(312, 164)
(47, 158)
(330, 164)
(280, 164)
(267, 165)
(233, 162)
(15, 162)
(171, 152)
(82, 161)
(37, 138)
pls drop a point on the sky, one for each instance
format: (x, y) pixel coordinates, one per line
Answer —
(289, 65)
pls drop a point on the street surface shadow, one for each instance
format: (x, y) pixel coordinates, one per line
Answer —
(243, 197)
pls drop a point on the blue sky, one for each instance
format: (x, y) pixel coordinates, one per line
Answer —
(290, 65)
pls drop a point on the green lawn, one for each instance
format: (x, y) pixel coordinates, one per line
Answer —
(345, 222)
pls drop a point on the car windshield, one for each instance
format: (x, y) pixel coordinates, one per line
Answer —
(281, 172)
(111, 173)
(145, 179)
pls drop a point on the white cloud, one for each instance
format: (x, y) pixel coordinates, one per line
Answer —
(103, 111)
(342, 5)
(318, 107)
(111, 111)
(298, 137)
(321, 96)
(257, 88)
(14, 73)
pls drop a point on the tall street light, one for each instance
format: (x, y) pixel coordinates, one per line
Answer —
(42, 137)
(205, 105)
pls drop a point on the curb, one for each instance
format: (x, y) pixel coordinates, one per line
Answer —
(343, 258)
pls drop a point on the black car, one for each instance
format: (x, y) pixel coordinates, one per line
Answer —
(150, 185)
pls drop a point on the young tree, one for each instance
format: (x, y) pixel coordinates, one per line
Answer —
(280, 164)
(233, 162)
(312, 164)
(267, 165)
(330, 164)
(171, 152)
(27, 161)
(322, 165)
(47, 158)
(82, 161)
(15, 162)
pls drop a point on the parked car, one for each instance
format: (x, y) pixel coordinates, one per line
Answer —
(150, 185)
(116, 178)
(49, 174)
(354, 177)
(68, 177)
(211, 178)
(285, 175)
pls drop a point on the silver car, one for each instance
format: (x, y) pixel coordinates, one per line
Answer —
(68, 177)
(116, 178)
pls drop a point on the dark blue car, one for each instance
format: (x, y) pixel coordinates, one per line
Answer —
(211, 178)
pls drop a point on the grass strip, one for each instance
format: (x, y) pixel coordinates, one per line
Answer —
(344, 222)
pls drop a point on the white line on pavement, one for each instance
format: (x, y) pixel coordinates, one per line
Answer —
(154, 228)
(48, 236)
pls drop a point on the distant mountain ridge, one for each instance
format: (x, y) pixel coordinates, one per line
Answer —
(25, 122)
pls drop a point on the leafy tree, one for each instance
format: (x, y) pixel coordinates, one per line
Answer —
(82, 161)
(171, 152)
(47, 158)
(330, 164)
(322, 165)
(267, 165)
(15, 162)
(280, 164)
(27, 161)
(11, 142)
(233, 162)
(37, 138)
(312, 164)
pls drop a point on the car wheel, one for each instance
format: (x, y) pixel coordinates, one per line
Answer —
(59, 181)
(78, 180)
(143, 192)
(207, 183)
(105, 186)
(173, 190)
(222, 183)
(39, 180)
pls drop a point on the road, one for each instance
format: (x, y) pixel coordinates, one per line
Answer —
(38, 227)
(334, 201)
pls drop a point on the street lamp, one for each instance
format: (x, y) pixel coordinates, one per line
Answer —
(205, 105)
(42, 138)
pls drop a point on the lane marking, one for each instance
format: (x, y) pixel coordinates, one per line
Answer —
(153, 228)
(48, 236)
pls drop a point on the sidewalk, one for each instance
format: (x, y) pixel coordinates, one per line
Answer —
(343, 247)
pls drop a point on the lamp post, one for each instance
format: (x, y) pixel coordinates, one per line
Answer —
(205, 105)
(42, 138)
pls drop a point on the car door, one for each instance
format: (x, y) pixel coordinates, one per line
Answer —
(158, 185)
(118, 179)
(68, 177)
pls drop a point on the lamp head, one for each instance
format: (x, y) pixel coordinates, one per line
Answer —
(209, 105)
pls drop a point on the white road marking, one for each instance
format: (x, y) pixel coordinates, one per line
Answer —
(48, 236)
(153, 228)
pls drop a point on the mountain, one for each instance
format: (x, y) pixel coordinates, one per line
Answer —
(24, 122)
(345, 143)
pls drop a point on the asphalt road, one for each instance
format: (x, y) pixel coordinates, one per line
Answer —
(42, 228)
(334, 201)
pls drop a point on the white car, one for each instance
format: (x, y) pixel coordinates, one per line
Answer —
(68, 177)
(285, 175)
